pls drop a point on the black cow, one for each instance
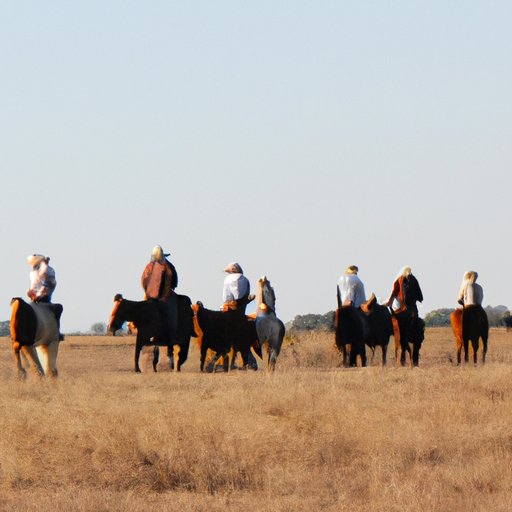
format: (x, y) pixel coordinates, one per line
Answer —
(148, 317)
(223, 332)
(34, 330)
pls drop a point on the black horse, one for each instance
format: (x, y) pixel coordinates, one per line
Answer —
(411, 333)
(370, 324)
(224, 332)
(148, 318)
(378, 327)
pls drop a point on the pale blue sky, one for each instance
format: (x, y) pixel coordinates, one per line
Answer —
(294, 137)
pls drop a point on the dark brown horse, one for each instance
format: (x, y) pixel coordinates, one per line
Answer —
(148, 318)
(409, 335)
(225, 333)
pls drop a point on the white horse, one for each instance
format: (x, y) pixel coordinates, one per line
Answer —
(35, 334)
(269, 328)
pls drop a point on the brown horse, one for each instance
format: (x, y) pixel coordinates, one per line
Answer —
(470, 324)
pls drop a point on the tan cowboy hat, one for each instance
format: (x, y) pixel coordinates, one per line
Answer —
(352, 269)
(35, 259)
(234, 268)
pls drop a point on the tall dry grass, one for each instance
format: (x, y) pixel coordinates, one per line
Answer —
(312, 436)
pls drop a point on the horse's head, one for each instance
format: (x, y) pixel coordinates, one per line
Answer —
(116, 321)
(196, 307)
(266, 296)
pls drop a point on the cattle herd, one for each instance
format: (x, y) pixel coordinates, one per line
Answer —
(35, 334)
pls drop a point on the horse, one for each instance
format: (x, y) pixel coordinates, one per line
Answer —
(269, 328)
(470, 324)
(377, 326)
(409, 332)
(349, 335)
(34, 330)
(225, 333)
(147, 317)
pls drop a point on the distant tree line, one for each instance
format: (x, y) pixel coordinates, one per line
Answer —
(311, 322)
(4, 328)
(498, 316)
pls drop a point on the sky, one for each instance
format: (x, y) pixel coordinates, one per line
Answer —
(296, 138)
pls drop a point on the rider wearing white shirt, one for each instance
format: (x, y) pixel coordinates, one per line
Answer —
(236, 285)
(351, 288)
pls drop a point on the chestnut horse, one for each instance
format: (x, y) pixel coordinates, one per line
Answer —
(470, 324)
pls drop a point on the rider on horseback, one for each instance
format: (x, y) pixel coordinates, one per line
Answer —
(42, 284)
(235, 294)
(159, 279)
(406, 292)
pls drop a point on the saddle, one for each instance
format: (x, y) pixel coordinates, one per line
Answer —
(366, 307)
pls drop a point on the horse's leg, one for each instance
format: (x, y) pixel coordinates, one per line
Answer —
(466, 351)
(204, 350)
(384, 354)
(233, 353)
(251, 360)
(244, 353)
(156, 357)
(351, 355)
(53, 350)
(177, 355)
(459, 352)
(47, 357)
(403, 355)
(32, 358)
(273, 358)
(346, 356)
(172, 357)
(484, 348)
(183, 348)
(416, 353)
(225, 364)
(474, 343)
(363, 356)
(138, 348)
(16, 348)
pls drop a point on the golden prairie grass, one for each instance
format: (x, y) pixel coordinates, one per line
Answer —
(312, 436)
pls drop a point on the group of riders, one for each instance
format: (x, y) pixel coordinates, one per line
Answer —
(406, 291)
(405, 294)
(160, 279)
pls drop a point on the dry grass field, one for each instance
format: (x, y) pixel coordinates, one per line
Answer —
(312, 436)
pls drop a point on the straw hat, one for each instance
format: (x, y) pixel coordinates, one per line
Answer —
(35, 259)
